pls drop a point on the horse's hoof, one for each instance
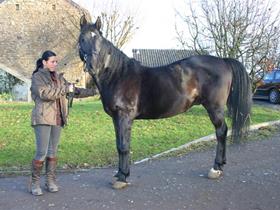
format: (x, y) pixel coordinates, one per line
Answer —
(119, 185)
(214, 174)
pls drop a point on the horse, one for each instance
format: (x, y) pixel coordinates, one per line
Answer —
(131, 91)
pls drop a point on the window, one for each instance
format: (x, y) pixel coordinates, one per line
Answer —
(269, 76)
(53, 7)
(277, 75)
(17, 6)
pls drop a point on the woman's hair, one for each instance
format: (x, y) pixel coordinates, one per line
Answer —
(45, 56)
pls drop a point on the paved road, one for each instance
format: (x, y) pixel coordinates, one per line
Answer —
(251, 181)
(266, 104)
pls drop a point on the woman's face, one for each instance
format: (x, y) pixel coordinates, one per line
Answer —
(51, 63)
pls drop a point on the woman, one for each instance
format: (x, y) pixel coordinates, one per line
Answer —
(49, 90)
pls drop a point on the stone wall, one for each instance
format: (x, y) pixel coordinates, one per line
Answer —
(29, 27)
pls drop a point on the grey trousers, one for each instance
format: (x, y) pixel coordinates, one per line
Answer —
(47, 139)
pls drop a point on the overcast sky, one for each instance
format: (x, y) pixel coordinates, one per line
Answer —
(155, 22)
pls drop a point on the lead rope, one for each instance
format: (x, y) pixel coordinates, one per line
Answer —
(94, 78)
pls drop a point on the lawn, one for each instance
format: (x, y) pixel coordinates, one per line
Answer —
(89, 139)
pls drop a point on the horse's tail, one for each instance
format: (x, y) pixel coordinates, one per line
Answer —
(240, 99)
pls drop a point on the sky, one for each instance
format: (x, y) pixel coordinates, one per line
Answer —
(155, 21)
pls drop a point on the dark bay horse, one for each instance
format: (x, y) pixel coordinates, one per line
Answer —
(131, 91)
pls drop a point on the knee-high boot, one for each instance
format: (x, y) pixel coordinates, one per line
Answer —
(51, 185)
(34, 186)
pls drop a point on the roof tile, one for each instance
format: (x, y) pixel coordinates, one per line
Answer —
(160, 57)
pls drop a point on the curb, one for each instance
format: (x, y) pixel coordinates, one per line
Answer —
(210, 137)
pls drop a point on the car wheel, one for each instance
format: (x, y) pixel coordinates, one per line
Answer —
(274, 96)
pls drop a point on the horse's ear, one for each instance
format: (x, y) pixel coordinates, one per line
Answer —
(98, 23)
(83, 21)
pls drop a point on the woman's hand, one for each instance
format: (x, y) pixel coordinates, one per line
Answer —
(71, 88)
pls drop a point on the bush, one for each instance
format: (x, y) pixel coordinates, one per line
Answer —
(6, 97)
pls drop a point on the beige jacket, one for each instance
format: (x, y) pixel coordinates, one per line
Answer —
(44, 92)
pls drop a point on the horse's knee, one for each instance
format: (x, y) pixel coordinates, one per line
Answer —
(123, 148)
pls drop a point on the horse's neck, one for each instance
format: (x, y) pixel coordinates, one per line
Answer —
(114, 64)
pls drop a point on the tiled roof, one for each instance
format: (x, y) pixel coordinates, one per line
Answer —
(160, 57)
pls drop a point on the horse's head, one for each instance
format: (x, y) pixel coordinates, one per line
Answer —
(90, 41)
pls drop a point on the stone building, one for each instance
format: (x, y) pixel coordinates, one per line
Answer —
(29, 27)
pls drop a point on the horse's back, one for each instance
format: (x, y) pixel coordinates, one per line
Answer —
(207, 64)
(172, 89)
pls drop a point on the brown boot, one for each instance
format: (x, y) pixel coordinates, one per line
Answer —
(34, 186)
(50, 175)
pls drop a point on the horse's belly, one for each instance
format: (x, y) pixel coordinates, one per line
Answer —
(164, 110)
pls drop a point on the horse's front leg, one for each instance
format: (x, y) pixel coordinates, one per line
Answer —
(122, 124)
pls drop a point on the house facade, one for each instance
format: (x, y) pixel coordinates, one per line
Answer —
(29, 27)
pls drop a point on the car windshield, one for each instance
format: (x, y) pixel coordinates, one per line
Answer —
(268, 76)
(277, 75)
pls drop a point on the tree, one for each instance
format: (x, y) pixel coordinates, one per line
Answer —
(118, 31)
(117, 26)
(247, 30)
(7, 82)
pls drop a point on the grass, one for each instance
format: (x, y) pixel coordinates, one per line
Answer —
(89, 139)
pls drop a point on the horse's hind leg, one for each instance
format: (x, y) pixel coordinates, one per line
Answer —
(123, 132)
(217, 117)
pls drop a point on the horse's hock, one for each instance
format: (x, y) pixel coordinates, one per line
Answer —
(29, 27)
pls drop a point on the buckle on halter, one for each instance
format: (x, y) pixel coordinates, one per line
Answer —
(85, 67)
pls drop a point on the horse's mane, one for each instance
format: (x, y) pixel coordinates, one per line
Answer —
(118, 63)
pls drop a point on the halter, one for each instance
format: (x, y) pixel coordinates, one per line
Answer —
(93, 75)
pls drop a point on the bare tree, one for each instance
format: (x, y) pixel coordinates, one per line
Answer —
(7, 82)
(118, 26)
(118, 31)
(247, 30)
